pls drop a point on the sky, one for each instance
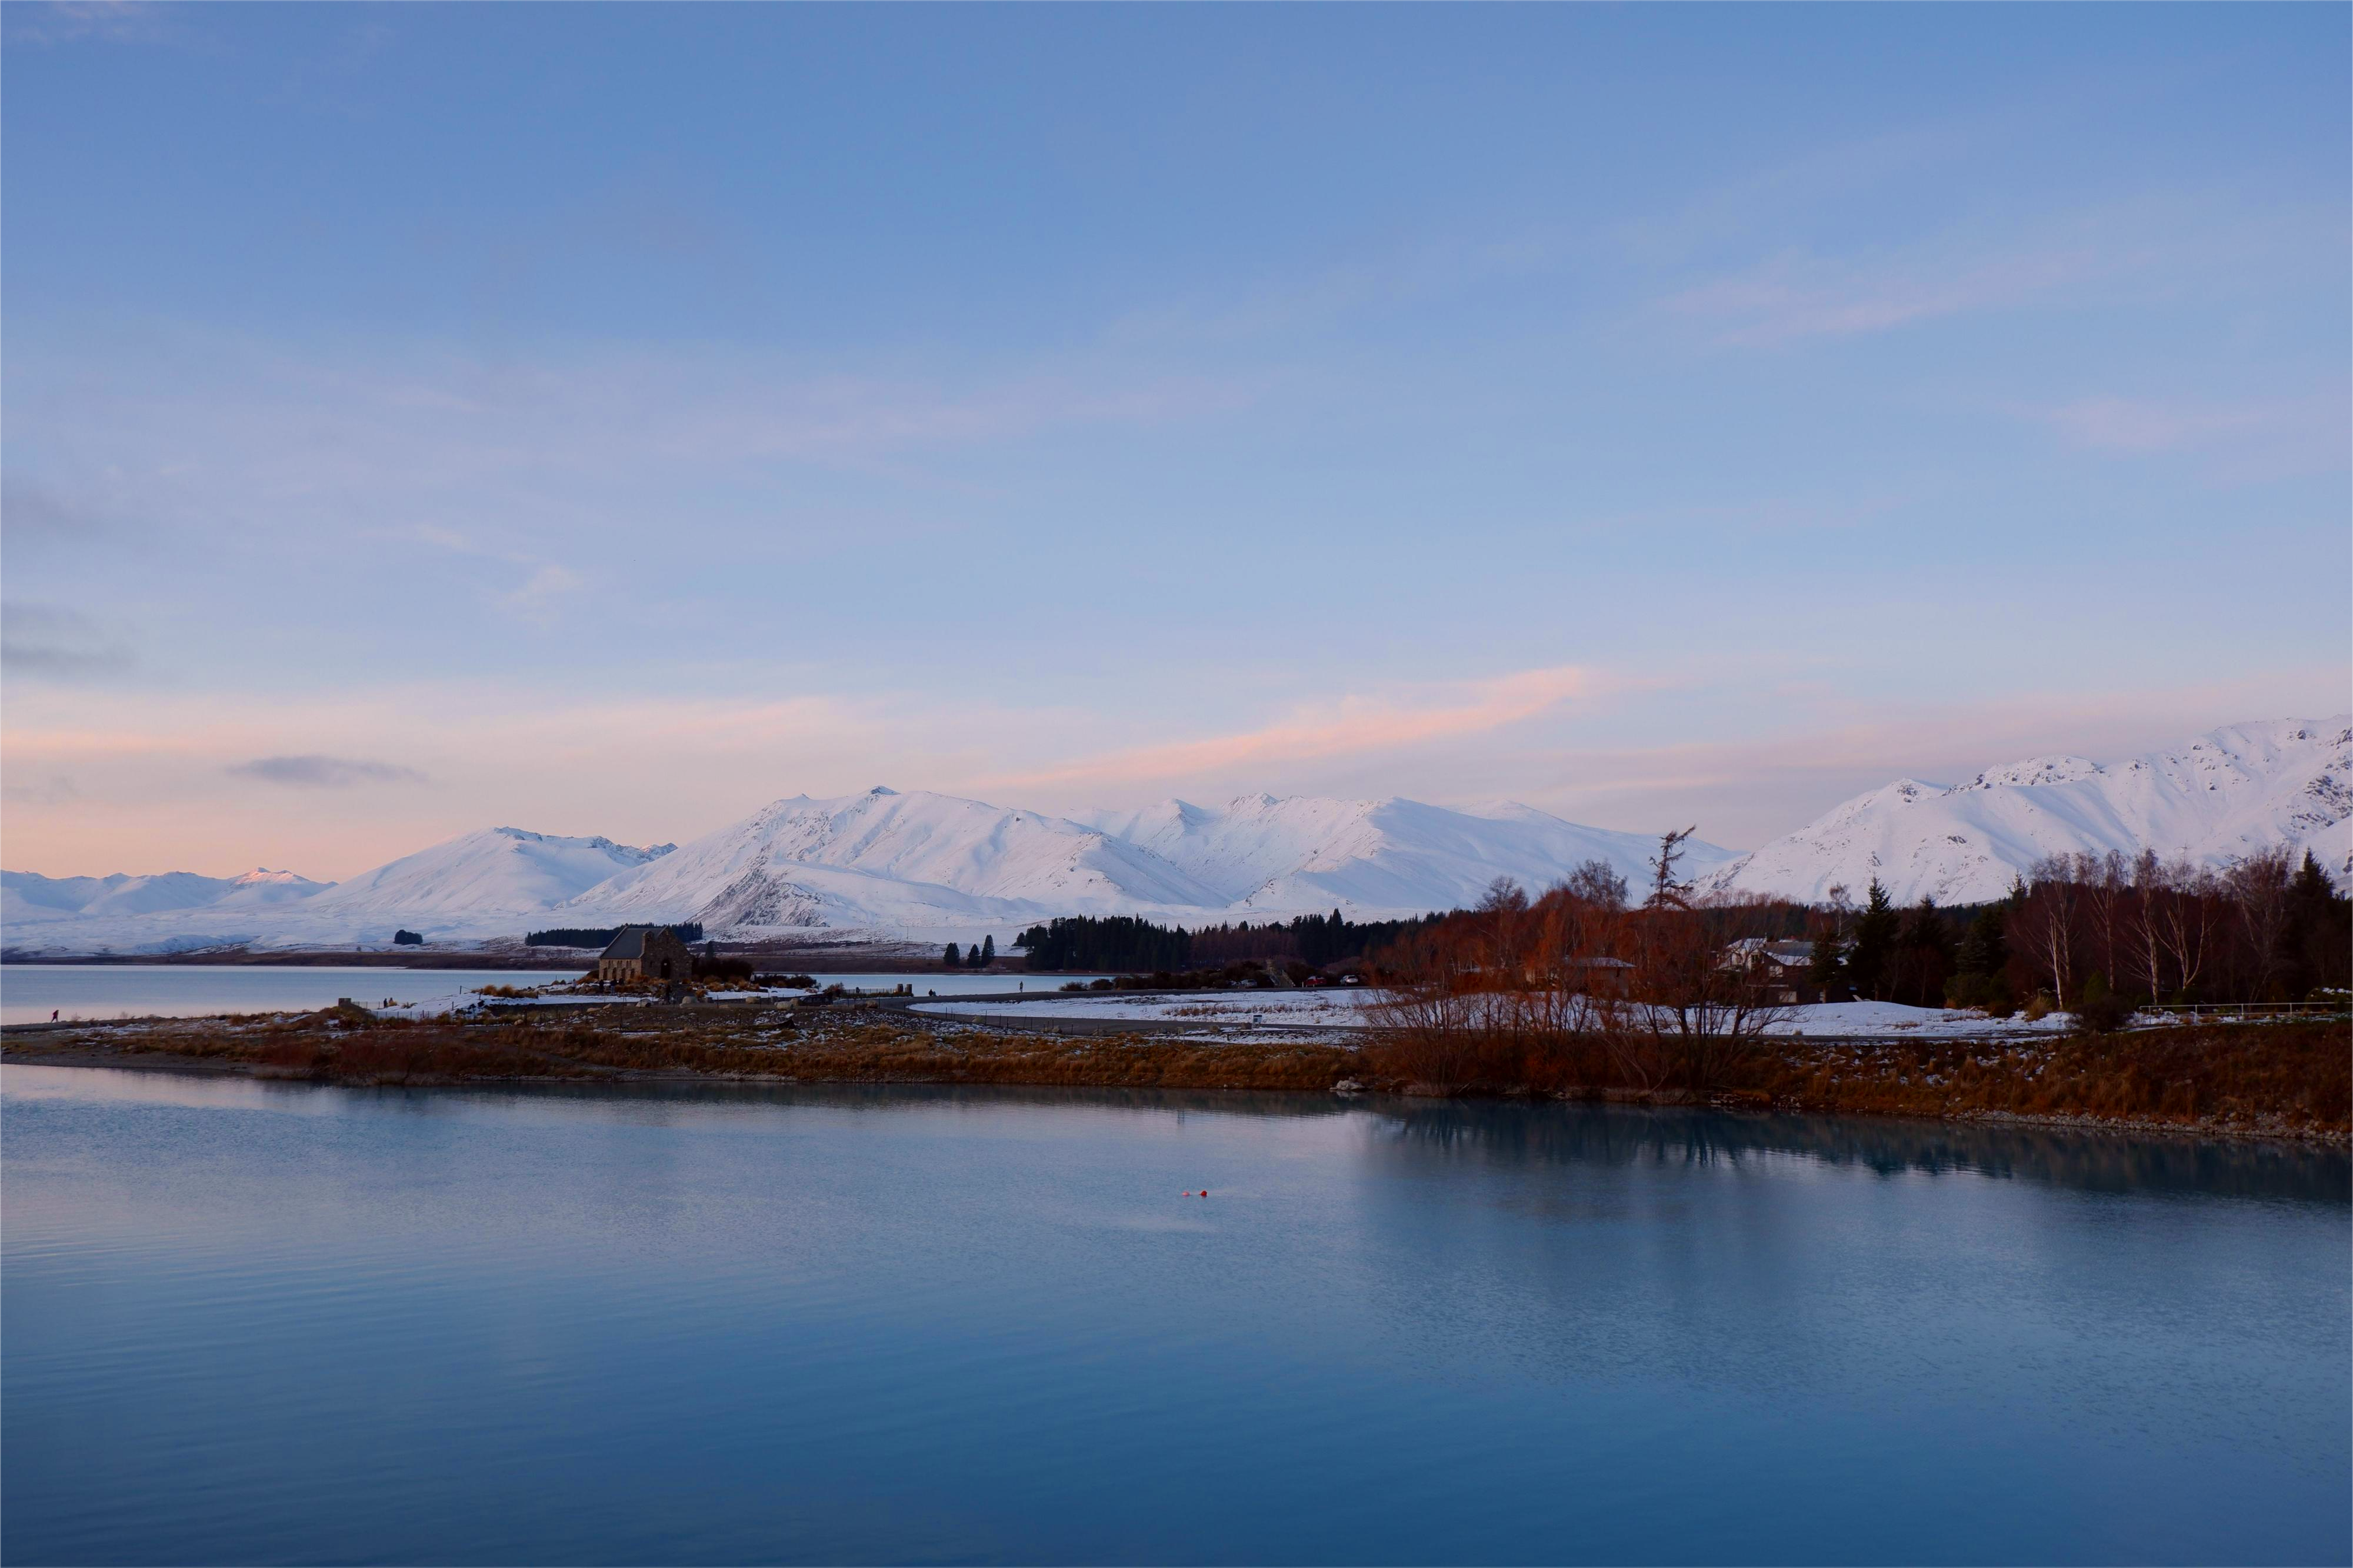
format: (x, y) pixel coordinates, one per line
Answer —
(608, 419)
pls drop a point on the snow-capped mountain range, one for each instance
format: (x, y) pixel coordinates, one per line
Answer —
(884, 863)
(916, 865)
(2224, 795)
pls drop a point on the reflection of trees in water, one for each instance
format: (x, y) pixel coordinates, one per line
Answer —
(1544, 1133)
(903, 1097)
(2097, 1161)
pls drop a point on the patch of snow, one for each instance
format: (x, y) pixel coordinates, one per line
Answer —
(1830, 1019)
(1341, 1008)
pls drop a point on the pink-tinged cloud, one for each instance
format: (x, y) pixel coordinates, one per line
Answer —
(1354, 725)
(2122, 424)
(2250, 441)
(1798, 298)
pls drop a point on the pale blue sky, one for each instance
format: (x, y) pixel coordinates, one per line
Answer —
(605, 419)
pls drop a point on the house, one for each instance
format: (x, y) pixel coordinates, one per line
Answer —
(645, 952)
(1777, 969)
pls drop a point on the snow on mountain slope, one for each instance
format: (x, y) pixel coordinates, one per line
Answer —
(880, 862)
(2236, 791)
(495, 871)
(887, 861)
(1265, 855)
(27, 897)
(486, 884)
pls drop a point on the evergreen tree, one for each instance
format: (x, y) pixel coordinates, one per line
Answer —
(1925, 955)
(1870, 965)
(972, 956)
(988, 950)
(1982, 950)
(2309, 891)
(952, 957)
(1826, 973)
(2320, 940)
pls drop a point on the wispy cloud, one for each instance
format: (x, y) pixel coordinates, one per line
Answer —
(102, 21)
(537, 596)
(52, 642)
(2155, 251)
(1353, 724)
(1800, 296)
(315, 771)
(2313, 426)
(55, 790)
(32, 510)
(536, 463)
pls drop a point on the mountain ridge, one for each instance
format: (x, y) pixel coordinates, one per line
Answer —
(884, 861)
(2227, 793)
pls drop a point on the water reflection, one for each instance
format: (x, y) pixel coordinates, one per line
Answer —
(2097, 1162)
(708, 1322)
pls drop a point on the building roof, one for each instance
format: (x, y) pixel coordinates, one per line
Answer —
(631, 942)
(1787, 954)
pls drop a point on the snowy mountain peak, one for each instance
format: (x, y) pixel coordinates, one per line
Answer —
(2228, 793)
(488, 876)
(1268, 854)
(889, 861)
(2036, 771)
(262, 876)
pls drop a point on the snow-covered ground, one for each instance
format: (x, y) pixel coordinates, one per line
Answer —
(1832, 1019)
(1348, 1009)
(1344, 1008)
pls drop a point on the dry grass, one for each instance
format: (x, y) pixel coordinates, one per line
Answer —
(2275, 1077)
(335, 1048)
(2278, 1077)
(2292, 1077)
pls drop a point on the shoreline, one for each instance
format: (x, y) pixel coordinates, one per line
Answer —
(851, 1051)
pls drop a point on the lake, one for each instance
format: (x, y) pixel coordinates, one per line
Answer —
(251, 1322)
(30, 992)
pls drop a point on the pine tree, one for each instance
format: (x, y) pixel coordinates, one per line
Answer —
(1826, 971)
(1666, 892)
(1982, 950)
(952, 957)
(1876, 929)
(972, 956)
(1926, 955)
(988, 950)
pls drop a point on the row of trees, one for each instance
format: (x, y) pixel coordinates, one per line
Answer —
(2266, 929)
(1672, 991)
(1127, 943)
(1645, 989)
(983, 954)
(2081, 927)
(602, 936)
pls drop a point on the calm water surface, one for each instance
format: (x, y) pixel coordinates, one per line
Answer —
(249, 1322)
(30, 992)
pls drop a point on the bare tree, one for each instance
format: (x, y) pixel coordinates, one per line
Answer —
(1665, 890)
(1694, 1009)
(2258, 887)
(2144, 925)
(2104, 888)
(2045, 925)
(1596, 882)
(2189, 912)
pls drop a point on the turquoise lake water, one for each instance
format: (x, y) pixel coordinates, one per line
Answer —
(247, 1322)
